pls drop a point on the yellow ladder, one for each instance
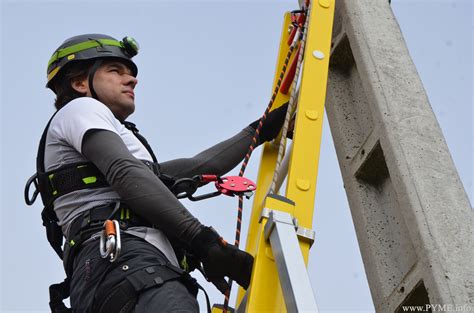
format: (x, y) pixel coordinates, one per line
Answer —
(281, 225)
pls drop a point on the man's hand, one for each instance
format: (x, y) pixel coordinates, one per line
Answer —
(221, 260)
(272, 124)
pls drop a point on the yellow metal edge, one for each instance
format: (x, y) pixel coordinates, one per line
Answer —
(265, 292)
(303, 169)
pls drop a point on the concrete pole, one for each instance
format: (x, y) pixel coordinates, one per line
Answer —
(412, 216)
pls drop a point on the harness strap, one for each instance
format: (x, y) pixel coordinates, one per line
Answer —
(97, 216)
(74, 177)
(40, 170)
(133, 128)
(54, 233)
(58, 292)
(91, 222)
(125, 295)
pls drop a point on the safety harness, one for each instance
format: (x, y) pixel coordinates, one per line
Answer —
(86, 175)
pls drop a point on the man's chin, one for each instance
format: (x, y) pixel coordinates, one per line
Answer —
(125, 112)
(130, 109)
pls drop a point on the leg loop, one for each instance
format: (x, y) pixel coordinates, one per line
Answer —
(124, 296)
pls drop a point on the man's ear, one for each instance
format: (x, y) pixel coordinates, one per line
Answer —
(80, 85)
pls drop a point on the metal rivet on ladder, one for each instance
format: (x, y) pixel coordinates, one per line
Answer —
(318, 54)
(303, 184)
(311, 114)
(324, 3)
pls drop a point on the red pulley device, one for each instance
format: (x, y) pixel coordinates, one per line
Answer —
(229, 186)
(232, 185)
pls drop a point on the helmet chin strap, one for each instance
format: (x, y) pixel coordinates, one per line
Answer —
(92, 71)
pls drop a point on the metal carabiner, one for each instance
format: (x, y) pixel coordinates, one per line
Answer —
(185, 187)
(110, 243)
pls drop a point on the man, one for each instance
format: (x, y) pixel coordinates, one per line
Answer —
(94, 166)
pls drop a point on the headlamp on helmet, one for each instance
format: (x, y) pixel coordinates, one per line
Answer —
(131, 46)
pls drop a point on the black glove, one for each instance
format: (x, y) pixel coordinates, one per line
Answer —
(221, 259)
(187, 261)
(272, 124)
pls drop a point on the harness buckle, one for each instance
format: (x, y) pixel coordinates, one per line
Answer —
(110, 243)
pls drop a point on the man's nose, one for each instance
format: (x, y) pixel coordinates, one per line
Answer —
(131, 81)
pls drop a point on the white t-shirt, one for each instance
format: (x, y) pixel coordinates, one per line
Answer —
(63, 146)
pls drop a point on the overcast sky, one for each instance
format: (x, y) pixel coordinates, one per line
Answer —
(205, 72)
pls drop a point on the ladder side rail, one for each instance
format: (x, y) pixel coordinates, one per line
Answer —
(266, 291)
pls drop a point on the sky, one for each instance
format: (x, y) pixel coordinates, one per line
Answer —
(205, 72)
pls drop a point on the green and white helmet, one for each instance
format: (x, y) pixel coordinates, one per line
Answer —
(88, 47)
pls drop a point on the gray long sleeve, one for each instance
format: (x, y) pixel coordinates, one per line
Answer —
(137, 186)
(217, 160)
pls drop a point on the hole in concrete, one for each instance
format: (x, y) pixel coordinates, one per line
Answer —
(417, 297)
(342, 58)
(374, 169)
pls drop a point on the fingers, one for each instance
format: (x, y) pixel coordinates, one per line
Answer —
(242, 277)
(220, 284)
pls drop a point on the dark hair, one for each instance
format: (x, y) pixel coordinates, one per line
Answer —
(62, 84)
